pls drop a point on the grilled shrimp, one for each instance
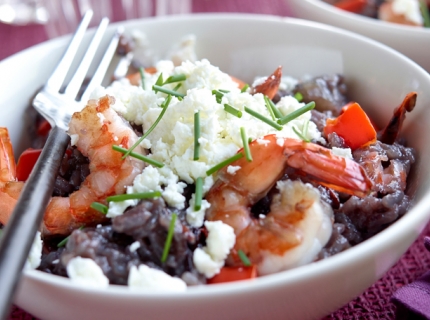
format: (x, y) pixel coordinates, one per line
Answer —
(270, 85)
(95, 130)
(299, 223)
(9, 187)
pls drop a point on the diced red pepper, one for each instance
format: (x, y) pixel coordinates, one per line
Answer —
(353, 125)
(355, 6)
(43, 128)
(26, 162)
(229, 274)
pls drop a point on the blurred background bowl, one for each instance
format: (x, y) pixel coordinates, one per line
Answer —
(247, 46)
(414, 42)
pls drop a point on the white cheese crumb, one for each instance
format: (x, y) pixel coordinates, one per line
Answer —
(134, 246)
(342, 152)
(196, 218)
(74, 139)
(86, 272)
(153, 279)
(233, 169)
(35, 255)
(117, 208)
(280, 142)
(410, 9)
(220, 241)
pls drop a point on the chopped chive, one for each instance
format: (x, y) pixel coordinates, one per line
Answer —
(425, 13)
(305, 128)
(221, 165)
(175, 78)
(245, 144)
(301, 136)
(250, 140)
(276, 111)
(134, 196)
(169, 238)
(223, 91)
(63, 242)
(99, 207)
(157, 88)
(159, 81)
(196, 135)
(297, 113)
(233, 111)
(272, 123)
(164, 106)
(244, 88)
(269, 107)
(155, 163)
(244, 258)
(218, 95)
(298, 96)
(142, 77)
(177, 87)
(198, 194)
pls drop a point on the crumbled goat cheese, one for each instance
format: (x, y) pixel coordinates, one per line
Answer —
(134, 246)
(86, 272)
(233, 169)
(145, 277)
(172, 140)
(196, 218)
(210, 259)
(342, 152)
(74, 139)
(35, 255)
(410, 9)
(117, 208)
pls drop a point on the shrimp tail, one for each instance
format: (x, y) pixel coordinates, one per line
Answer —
(392, 130)
(271, 85)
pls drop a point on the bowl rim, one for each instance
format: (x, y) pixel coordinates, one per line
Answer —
(412, 220)
(357, 18)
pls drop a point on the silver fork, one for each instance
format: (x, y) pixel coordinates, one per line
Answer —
(57, 108)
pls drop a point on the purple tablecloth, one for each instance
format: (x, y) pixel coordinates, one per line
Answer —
(375, 302)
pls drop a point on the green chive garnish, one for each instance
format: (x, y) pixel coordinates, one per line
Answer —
(157, 88)
(159, 81)
(244, 88)
(63, 242)
(198, 194)
(272, 123)
(305, 128)
(233, 111)
(297, 113)
(155, 163)
(99, 207)
(175, 78)
(244, 258)
(196, 135)
(130, 196)
(298, 96)
(245, 144)
(221, 165)
(269, 107)
(218, 95)
(223, 91)
(425, 13)
(169, 238)
(301, 136)
(275, 110)
(164, 106)
(142, 77)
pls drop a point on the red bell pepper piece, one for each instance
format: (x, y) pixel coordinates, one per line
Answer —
(353, 125)
(26, 162)
(228, 274)
(355, 6)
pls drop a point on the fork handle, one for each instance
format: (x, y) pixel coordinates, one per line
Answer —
(20, 231)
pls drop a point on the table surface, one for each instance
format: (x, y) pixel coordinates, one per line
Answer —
(375, 302)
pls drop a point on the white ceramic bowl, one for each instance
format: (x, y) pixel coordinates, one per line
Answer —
(414, 42)
(247, 46)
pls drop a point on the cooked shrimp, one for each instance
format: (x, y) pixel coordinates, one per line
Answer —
(270, 86)
(401, 12)
(392, 130)
(9, 187)
(293, 225)
(96, 128)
